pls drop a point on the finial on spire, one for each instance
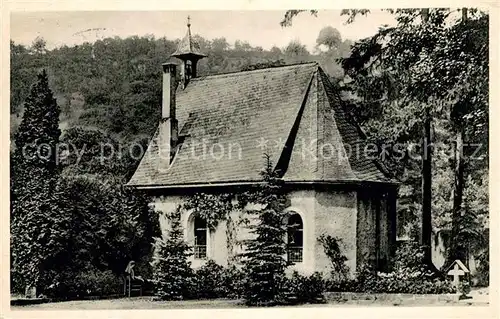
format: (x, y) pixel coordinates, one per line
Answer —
(189, 22)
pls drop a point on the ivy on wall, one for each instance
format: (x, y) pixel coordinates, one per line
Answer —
(215, 208)
(331, 246)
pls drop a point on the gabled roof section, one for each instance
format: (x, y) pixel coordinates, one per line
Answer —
(228, 122)
(364, 164)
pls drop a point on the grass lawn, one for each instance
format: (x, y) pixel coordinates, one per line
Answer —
(147, 303)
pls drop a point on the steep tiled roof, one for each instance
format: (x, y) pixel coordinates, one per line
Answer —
(227, 122)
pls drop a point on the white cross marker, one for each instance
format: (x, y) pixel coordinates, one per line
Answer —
(456, 272)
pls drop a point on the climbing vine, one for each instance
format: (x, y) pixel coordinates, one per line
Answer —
(215, 208)
(211, 207)
(331, 247)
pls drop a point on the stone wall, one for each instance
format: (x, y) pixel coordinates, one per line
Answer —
(335, 215)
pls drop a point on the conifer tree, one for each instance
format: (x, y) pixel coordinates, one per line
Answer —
(35, 220)
(36, 140)
(264, 262)
(172, 270)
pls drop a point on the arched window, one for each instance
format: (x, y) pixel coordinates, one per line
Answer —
(200, 237)
(295, 238)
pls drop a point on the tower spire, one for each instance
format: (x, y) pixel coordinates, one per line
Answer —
(189, 52)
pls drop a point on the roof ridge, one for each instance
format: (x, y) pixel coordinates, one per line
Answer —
(228, 74)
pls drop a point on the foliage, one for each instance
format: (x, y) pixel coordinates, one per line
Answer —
(36, 140)
(440, 65)
(482, 276)
(101, 227)
(74, 221)
(75, 285)
(36, 222)
(410, 275)
(215, 208)
(110, 225)
(297, 52)
(39, 229)
(234, 281)
(214, 281)
(393, 282)
(331, 246)
(264, 264)
(112, 84)
(211, 207)
(209, 281)
(173, 275)
(290, 14)
(330, 37)
(302, 289)
(464, 288)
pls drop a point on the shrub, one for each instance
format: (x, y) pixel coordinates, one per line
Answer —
(409, 257)
(234, 281)
(400, 282)
(301, 289)
(410, 275)
(214, 281)
(209, 281)
(91, 282)
(464, 288)
(482, 276)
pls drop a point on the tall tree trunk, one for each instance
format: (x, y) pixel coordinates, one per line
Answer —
(426, 229)
(457, 250)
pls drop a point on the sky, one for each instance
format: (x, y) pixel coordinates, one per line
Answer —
(259, 28)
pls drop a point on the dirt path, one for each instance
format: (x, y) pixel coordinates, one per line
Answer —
(148, 303)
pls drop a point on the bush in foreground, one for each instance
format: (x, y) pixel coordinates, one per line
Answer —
(90, 282)
(410, 275)
(300, 289)
(213, 281)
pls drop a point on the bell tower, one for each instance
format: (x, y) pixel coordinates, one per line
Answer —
(190, 53)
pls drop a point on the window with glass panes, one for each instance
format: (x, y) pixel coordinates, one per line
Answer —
(200, 238)
(295, 238)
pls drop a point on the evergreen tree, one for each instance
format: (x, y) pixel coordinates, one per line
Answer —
(37, 138)
(172, 270)
(264, 262)
(35, 219)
